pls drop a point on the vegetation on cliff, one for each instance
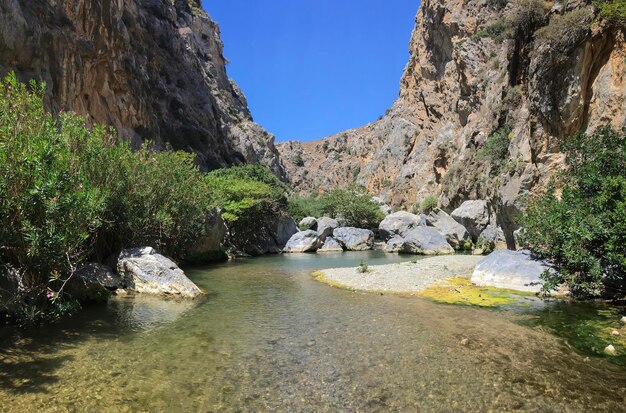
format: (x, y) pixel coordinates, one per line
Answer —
(71, 193)
(582, 227)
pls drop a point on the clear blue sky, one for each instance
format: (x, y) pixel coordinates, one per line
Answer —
(314, 68)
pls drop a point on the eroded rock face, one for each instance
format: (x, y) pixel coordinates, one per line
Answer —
(354, 239)
(426, 241)
(303, 241)
(151, 69)
(144, 271)
(331, 245)
(515, 270)
(457, 89)
(399, 223)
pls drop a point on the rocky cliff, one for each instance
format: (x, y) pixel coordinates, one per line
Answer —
(488, 87)
(153, 69)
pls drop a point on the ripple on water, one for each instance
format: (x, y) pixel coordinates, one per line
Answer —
(269, 338)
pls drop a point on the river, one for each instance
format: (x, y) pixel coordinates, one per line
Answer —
(267, 337)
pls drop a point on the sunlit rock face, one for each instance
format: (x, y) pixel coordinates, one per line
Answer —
(459, 87)
(152, 69)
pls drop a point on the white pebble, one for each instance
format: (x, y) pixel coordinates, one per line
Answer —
(610, 350)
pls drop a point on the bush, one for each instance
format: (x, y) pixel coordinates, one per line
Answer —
(248, 196)
(352, 204)
(428, 204)
(496, 31)
(496, 148)
(525, 17)
(613, 10)
(566, 31)
(583, 231)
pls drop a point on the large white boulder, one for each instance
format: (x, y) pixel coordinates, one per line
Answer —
(399, 223)
(325, 227)
(145, 271)
(308, 223)
(354, 239)
(514, 270)
(303, 241)
(331, 245)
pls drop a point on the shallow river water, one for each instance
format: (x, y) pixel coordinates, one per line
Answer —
(267, 337)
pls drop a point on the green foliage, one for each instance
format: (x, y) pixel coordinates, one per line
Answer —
(525, 17)
(298, 160)
(496, 31)
(497, 4)
(428, 204)
(565, 31)
(247, 195)
(363, 267)
(613, 10)
(496, 147)
(355, 172)
(583, 231)
(352, 204)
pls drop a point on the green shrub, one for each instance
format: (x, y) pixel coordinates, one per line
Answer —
(307, 206)
(496, 31)
(496, 148)
(566, 31)
(248, 196)
(614, 10)
(428, 204)
(363, 267)
(525, 17)
(583, 231)
(298, 160)
(354, 206)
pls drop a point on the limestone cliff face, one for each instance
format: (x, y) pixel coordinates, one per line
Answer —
(153, 69)
(477, 66)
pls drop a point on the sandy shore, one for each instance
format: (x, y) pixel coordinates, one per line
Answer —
(404, 278)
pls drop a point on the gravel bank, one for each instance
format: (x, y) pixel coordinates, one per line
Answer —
(404, 278)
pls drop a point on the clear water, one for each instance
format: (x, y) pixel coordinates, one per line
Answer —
(267, 337)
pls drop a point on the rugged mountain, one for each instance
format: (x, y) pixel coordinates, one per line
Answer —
(488, 87)
(153, 69)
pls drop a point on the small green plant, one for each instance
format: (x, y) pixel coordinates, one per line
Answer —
(363, 267)
(496, 148)
(298, 160)
(564, 32)
(355, 172)
(428, 204)
(496, 31)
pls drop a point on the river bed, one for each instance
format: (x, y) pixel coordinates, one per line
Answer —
(268, 337)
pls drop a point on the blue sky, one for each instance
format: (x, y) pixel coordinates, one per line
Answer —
(314, 68)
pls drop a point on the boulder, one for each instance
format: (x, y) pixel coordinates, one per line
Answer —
(93, 282)
(427, 241)
(145, 271)
(270, 238)
(308, 223)
(491, 238)
(210, 247)
(514, 270)
(331, 245)
(474, 216)
(399, 223)
(394, 244)
(455, 233)
(325, 227)
(382, 205)
(303, 241)
(354, 239)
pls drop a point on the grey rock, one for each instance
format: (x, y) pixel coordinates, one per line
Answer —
(303, 241)
(394, 244)
(515, 270)
(270, 237)
(99, 274)
(518, 234)
(354, 239)
(399, 223)
(491, 238)
(426, 241)
(145, 271)
(11, 283)
(211, 246)
(308, 223)
(325, 227)
(474, 216)
(455, 233)
(331, 245)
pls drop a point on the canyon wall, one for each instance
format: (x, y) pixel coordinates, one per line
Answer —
(527, 71)
(152, 69)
